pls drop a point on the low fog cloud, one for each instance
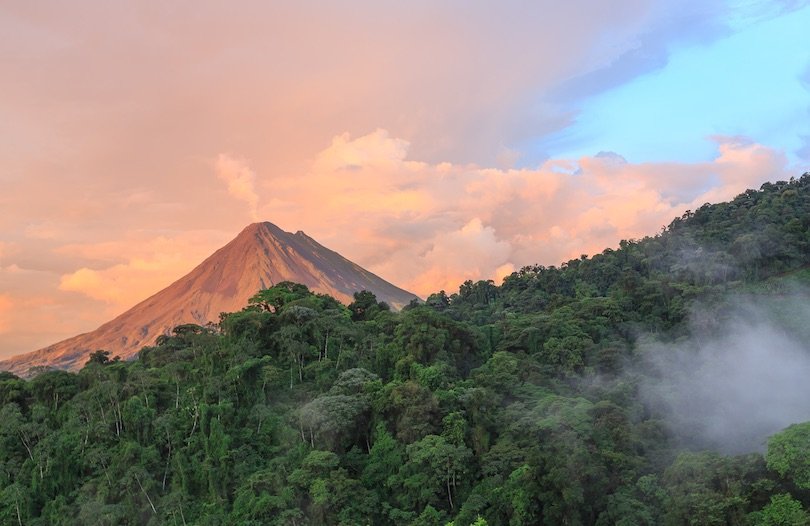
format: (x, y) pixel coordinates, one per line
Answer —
(740, 376)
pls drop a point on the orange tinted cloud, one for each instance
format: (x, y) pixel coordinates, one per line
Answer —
(30, 313)
(141, 268)
(124, 284)
(430, 226)
(5, 306)
(241, 181)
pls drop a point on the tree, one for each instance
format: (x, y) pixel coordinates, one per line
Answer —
(384, 460)
(101, 357)
(789, 454)
(277, 296)
(435, 468)
(782, 510)
(365, 306)
(333, 420)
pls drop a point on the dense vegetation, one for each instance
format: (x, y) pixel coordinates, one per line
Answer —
(515, 404)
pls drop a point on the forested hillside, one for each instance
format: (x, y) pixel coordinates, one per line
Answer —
(516, 404)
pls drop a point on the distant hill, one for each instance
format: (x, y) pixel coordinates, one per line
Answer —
(259, 257)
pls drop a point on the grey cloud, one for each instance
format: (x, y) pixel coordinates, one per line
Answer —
(739, 377)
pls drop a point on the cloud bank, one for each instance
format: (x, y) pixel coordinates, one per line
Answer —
(430, 226)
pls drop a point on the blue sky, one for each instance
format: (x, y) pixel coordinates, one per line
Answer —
(751, 81)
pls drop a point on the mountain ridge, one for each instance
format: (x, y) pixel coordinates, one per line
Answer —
(261, 255)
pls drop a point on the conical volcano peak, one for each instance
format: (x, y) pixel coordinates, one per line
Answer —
(261, 256)
(265, 227)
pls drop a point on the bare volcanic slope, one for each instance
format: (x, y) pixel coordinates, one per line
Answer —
(259, 257)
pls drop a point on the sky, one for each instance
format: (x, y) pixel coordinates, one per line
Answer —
(430, 142)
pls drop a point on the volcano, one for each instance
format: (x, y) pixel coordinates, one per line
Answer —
(261, 256)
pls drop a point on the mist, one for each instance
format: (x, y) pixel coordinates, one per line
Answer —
(741, 374)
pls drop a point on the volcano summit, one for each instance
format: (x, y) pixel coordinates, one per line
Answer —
(261, 256)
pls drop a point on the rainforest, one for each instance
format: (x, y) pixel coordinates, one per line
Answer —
(661, 382)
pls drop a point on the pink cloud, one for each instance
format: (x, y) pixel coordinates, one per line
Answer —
(5, 306)
(107, 277)
(241, 181)
(139, 268)
(429, 226)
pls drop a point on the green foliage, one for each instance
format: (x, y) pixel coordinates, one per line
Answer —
(365, 306)
(783, 510)
(509, 404)
(789, 454)
(705, 488)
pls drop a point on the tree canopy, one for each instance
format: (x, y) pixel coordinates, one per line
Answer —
(498, 404)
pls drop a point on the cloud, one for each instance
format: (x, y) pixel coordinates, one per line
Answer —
(471, 252)
(129, 271)
(33, 313)
(739, 377)
(5, 306)
(428, 226)
(123, 284)
(93, 282)
(42, 231)
(374, 150)
(274, 82)
(241, 181)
